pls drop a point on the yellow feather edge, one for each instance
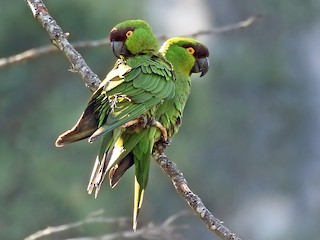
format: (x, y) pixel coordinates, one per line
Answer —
(138, 199)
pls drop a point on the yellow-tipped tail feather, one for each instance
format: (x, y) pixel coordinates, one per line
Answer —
(101, 167)
(138, 199)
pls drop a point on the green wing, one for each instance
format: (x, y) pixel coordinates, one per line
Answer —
(133, 88)
(148, 81)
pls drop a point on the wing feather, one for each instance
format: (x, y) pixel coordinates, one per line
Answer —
(133, 88)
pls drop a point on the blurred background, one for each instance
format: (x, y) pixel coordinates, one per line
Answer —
(249, 143)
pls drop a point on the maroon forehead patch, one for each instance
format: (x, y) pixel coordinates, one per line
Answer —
(119, 35)
(200, 51)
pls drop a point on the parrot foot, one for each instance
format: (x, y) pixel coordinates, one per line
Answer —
(131, 123)
(145, 122)
(139, 122)
(164, 135)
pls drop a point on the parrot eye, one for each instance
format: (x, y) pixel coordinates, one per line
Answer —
(129, 33)
(190, 50)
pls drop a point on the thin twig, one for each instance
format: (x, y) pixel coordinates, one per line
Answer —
(41, 51)
(166, 230)
(223, 29)
(195, 203)
(88, 220)
(230, 28)
(59, 39)
(44, 50)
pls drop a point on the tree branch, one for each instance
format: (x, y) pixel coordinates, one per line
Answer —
(195, 203)
(223, 29)
(166, 230)
(40, 51)
(58, 38)
(44, 50)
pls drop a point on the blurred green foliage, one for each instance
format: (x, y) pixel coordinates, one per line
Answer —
(249, 135)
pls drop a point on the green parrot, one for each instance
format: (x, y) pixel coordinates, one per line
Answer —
(187, 56)
(130, 89)
(137, 104)
(122, 107)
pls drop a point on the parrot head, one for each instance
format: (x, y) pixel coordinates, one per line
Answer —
(186, 55)
(132, 37)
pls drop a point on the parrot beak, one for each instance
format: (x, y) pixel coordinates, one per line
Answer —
(119, 49)
(201, 65)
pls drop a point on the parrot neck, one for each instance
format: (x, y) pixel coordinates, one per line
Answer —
(180, 60)
(183, 88)
(139, 45)
(171, 111)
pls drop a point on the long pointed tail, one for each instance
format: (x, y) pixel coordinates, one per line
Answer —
(142, 156)
(138, 199)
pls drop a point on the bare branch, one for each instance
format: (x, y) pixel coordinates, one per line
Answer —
(195, 203)
(230, 28)
(224, 29)
(40, 51)
(88, 220)
(59, 39)
(44, 50)
(166, 230)
(27, 55)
